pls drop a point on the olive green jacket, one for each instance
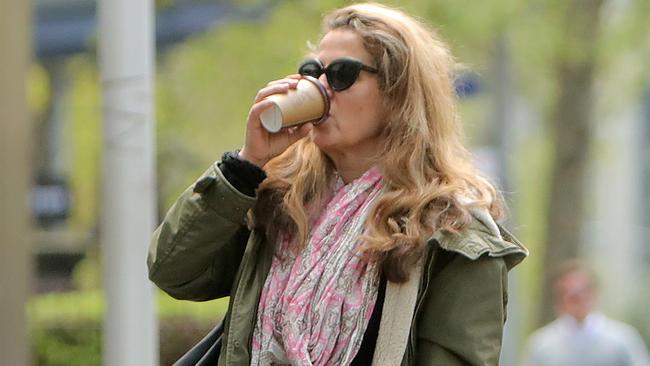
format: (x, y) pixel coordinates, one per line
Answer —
(451, 312)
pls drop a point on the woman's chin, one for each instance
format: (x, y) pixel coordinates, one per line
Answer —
(319, 141)
(322, 140)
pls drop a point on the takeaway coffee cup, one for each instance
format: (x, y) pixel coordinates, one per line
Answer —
(307, 103)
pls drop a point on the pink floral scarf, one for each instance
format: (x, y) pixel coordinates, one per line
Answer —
(316, 304)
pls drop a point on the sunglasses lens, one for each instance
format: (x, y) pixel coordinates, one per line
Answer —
(342, 74)
(310, 68)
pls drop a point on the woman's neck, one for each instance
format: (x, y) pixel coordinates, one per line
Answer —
(351, 166)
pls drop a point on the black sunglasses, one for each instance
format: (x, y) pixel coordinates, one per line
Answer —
(341, 73)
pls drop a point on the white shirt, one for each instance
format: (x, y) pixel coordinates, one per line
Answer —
(598, 341)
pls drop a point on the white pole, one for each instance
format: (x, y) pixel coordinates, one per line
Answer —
(126, 56)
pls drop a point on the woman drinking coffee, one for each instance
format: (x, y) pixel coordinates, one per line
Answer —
(366, 238)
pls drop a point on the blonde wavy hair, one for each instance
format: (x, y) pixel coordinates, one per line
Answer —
(430, 180)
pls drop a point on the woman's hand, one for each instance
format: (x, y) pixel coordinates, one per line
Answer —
(261, 145)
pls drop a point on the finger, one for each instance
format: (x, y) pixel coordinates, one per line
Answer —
(288, 80)
(295, 78)
(270, 90)
(257, 109)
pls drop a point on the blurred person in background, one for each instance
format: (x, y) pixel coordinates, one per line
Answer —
(370, 237)
(582, 336)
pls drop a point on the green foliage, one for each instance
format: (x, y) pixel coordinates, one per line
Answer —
(79, 342)
(532, 168)
(83, 305)
(66, 328)
(471, 27)
(86, 275)
(209, 311)
(67, 343)
(83, 125)
(207, 84)
(162, 4)
(38, 89)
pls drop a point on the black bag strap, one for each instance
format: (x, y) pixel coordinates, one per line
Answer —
(206, 352)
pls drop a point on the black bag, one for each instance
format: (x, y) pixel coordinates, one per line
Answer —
(206, 352)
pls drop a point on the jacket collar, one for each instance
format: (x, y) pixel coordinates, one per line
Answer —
(482, 236)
